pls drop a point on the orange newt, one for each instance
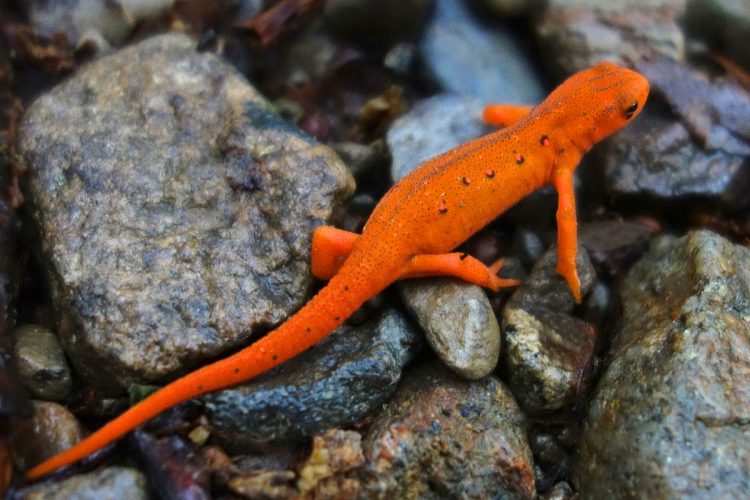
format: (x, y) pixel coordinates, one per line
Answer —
(418, 222)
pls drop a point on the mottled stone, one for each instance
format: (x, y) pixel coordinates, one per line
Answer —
(458, 322)
(469, 57)
(83, 20)
(107, 483)
(333, 454)
(175, 210)
(715, 112)
(432, 127)
(441, 437)
(336, 383)
(656, 157)
(575, 34)
(49, 430)
(41, 363)
(669, 416)
(547, 348)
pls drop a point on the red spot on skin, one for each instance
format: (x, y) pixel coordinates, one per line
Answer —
(442, 208)
(544, 141)
(466, 181)
(490, 173)
(519, 158)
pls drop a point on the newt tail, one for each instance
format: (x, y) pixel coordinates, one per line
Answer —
(313, 322)
(413, 230)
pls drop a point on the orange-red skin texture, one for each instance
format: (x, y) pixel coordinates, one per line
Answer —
(428, 213)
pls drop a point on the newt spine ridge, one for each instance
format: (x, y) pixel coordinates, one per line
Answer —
(417, 224)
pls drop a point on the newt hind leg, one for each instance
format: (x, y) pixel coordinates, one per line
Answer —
(460, 265)
(330, 248)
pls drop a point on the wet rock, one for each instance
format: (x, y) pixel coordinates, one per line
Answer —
(560, 491)
(333, 454)
(467, 57)
(715, 112)
(458, 322)
(271, 485)
(83, 20)
(432, 127)
(547, 349)
(41, 363)
(175, 210)
(575, 34)
(378, 24)
(672, 407)
(336, 383)
(614, 244)
(104, 483)
(441, 437)
(49, 430)
(656, 157)
(551, 460)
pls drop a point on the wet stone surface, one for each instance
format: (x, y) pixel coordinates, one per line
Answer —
(105, 483)
(547, 349)
(336, 383)
(441, 437)
(175, 210)
(577, 33)
(49, 430)
(432, 127)
(41, 363)
(672, 407)
(458, 322)
(468, 57)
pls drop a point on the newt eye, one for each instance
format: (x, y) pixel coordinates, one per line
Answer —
(630, 110)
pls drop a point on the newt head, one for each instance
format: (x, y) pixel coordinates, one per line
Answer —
(598, 101)
(614, 96)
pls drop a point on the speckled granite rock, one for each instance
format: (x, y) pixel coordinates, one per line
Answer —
(458, 321)
(107, 483)
(41, 362)
(441, 437)
(669, 418)
(546, 346)
(339, 381)
(175, 210)
(574, 34)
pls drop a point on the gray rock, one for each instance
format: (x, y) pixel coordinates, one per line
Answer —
(560, 491)
(432, 127)
(41, 363)
(657, 157)
(575, 34)
(51, 429)
(716, 112)
(107, 483)
(669, 416)
(441, 437)
(458, 321)
(175, 210)
(465, 56)
(546, 347)
(84, 20)
(336, 383)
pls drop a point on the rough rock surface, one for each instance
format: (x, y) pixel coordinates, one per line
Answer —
(41, 363)
(108, 483)
(670, 415)
(458, 321)
(441, 437)
(546, 347)
(174, 209)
